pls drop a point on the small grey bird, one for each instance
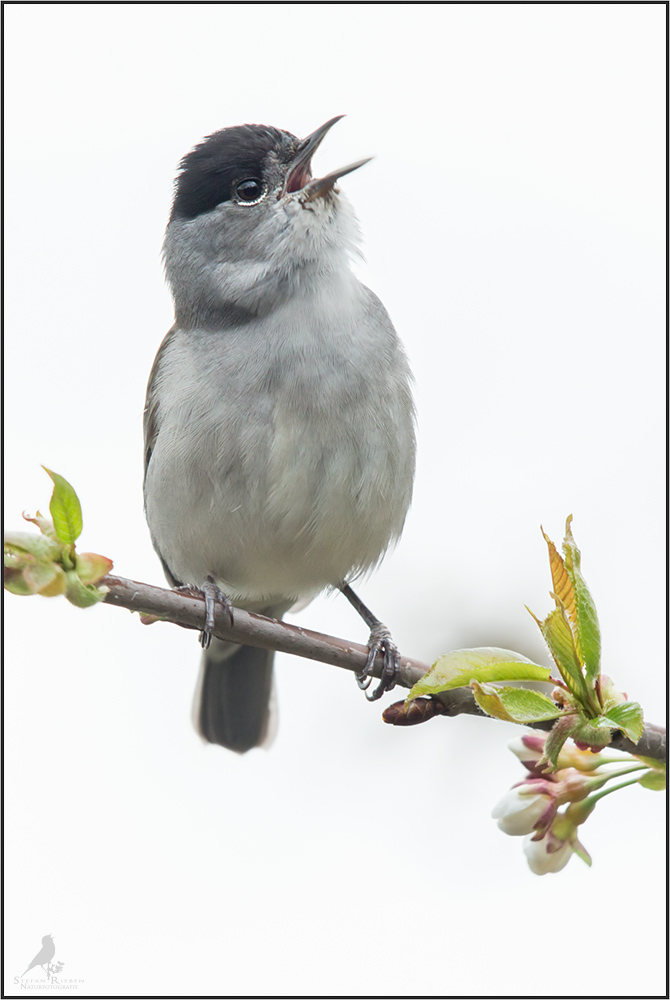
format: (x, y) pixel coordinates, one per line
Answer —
(279, 424)
(44, 955)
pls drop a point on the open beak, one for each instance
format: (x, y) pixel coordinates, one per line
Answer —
(299, 176)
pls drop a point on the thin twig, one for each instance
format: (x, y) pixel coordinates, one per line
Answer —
(188, 611)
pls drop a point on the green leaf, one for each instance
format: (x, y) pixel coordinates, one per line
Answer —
(91, 567)
(581, 852)
(553, 745)
(57, 585)
(588, 628)
(654, 780)
(486, 663)
(628, 717)
(488, 700)
(561, 582)
(596, 733)
(45, 525)
(65, 509)
(81, 594)
(14, 582)
(558, 635)
(32, 564)
(40, 546)
(41, 576)
(514, 704)
(609, 695)
(24, 575)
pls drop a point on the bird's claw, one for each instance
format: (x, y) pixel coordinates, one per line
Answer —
(380, 641)
(211, 594)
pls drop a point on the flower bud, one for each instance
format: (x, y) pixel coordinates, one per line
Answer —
(521, 808)
(547, 855)
(552, 851)
(529, 748)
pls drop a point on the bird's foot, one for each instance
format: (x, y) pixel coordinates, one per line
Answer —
(211, 594)
(380, 641)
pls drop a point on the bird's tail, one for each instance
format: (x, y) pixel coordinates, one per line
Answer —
(234, 704)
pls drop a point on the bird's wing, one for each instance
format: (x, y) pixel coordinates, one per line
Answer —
(152, 426)
(151, 408)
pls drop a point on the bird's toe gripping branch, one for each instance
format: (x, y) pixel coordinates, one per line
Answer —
(211, 594)
(380, 641)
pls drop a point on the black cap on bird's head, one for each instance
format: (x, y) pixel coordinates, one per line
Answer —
(246, 163)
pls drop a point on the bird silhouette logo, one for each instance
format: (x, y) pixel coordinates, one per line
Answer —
(44, 958)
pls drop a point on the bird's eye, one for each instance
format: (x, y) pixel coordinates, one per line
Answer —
(249, 191)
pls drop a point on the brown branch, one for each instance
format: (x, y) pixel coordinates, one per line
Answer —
(188, 611)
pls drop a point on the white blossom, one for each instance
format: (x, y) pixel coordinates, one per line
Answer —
(519, 810)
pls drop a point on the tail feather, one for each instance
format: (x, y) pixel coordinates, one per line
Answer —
(233, 698)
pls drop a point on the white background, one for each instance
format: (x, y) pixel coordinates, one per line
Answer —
(513, 222)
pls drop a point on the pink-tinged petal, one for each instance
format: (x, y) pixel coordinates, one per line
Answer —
(547, 817)
(537, 785)
(528, 748)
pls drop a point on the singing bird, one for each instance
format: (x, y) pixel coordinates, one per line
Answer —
(44, 955)
(279, 423)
